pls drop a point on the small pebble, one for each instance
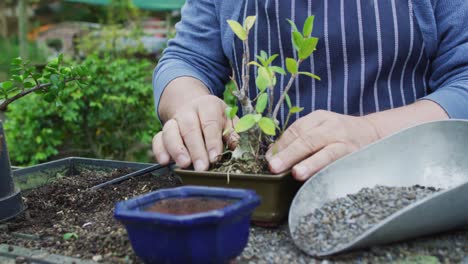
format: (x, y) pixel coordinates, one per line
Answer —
(97, 258)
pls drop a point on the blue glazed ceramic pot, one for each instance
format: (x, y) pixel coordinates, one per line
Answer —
(214, 236)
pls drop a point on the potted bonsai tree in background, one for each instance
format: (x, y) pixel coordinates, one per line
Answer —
(246, 166)
(26, 80)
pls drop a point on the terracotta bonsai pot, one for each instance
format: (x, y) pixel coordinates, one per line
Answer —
(276, 191)
(188, 224)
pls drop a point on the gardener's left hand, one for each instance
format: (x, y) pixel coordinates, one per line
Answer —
(318, 139)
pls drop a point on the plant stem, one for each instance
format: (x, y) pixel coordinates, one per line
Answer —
(286, 123)
(283, 96)
(241, 95)
(270, 100)
(285, 92)
(4, 104)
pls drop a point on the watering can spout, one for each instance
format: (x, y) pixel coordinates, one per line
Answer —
(11, 203)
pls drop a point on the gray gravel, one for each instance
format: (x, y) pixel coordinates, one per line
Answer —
(338, 222)
(276, 246)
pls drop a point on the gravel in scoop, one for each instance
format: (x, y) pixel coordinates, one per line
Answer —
(342, 220)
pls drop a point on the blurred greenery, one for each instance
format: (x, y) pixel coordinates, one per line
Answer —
(111, 117)
(10, 50)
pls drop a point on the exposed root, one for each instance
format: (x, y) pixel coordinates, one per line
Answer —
(230, 165)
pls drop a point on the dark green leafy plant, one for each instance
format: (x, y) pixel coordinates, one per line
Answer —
(25, 80)
(112, 116)
(259, 124)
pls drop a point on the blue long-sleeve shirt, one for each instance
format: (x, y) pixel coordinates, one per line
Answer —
(372, 55)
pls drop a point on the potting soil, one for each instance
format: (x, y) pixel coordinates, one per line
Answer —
(68, 219)
(186, 206)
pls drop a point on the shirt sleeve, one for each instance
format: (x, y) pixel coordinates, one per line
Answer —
(449, 78)
(196, 51)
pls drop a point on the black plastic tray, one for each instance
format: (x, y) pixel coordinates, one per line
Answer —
(38, 175)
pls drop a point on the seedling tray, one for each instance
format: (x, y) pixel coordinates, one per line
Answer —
(44, 174)
(39, 175)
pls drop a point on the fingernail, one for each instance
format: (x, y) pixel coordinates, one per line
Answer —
(163, 158)
(183, 160)
(213, 156)
(276, 165)
(300, 171)
(199, 165)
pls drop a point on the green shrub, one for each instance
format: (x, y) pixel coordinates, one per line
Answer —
(111, 117)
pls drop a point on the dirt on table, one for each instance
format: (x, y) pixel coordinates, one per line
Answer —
(186, 206)
(68, 207)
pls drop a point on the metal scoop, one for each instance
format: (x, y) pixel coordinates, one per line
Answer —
(433, 155)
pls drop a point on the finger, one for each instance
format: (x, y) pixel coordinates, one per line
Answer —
(319, 160)
(211, 122)
(231, 138)
(189, 126)
(174, 144)
(302, 147)
(293, 132)
(160, 152)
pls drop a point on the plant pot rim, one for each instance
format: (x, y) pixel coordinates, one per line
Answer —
(130, 210)
(243, 176)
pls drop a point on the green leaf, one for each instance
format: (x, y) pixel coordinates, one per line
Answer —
(291, 65)
(297, 40)
(288, 100)
(17, 61)
(271, 59)
(262, 61)
(308, 46)
(308, 26)
(293, 25)
(18, 78)
(245, 123)
(261, 83)
(277, 70)
(310, 75)
(254, 63)
(262, 102)
(264, 55)
(231, 112)
(249, 22)
(238, 29)
(28, 84)
(295, 109)
(257, 117)
(264, 73)
(68, 236)
(7, 85)
(267, 125)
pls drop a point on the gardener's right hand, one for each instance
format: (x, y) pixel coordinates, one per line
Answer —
(194, 134)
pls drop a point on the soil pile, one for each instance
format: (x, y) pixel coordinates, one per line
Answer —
(67, 206)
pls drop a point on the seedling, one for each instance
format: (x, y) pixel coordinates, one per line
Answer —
(259, 124)
(68, 236)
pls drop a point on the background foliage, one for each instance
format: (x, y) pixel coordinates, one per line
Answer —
(110, 117)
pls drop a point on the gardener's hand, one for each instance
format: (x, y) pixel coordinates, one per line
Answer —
(317, 140)
(194, 134)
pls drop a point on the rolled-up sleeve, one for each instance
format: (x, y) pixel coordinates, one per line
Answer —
(449, 77)
(196, 51)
